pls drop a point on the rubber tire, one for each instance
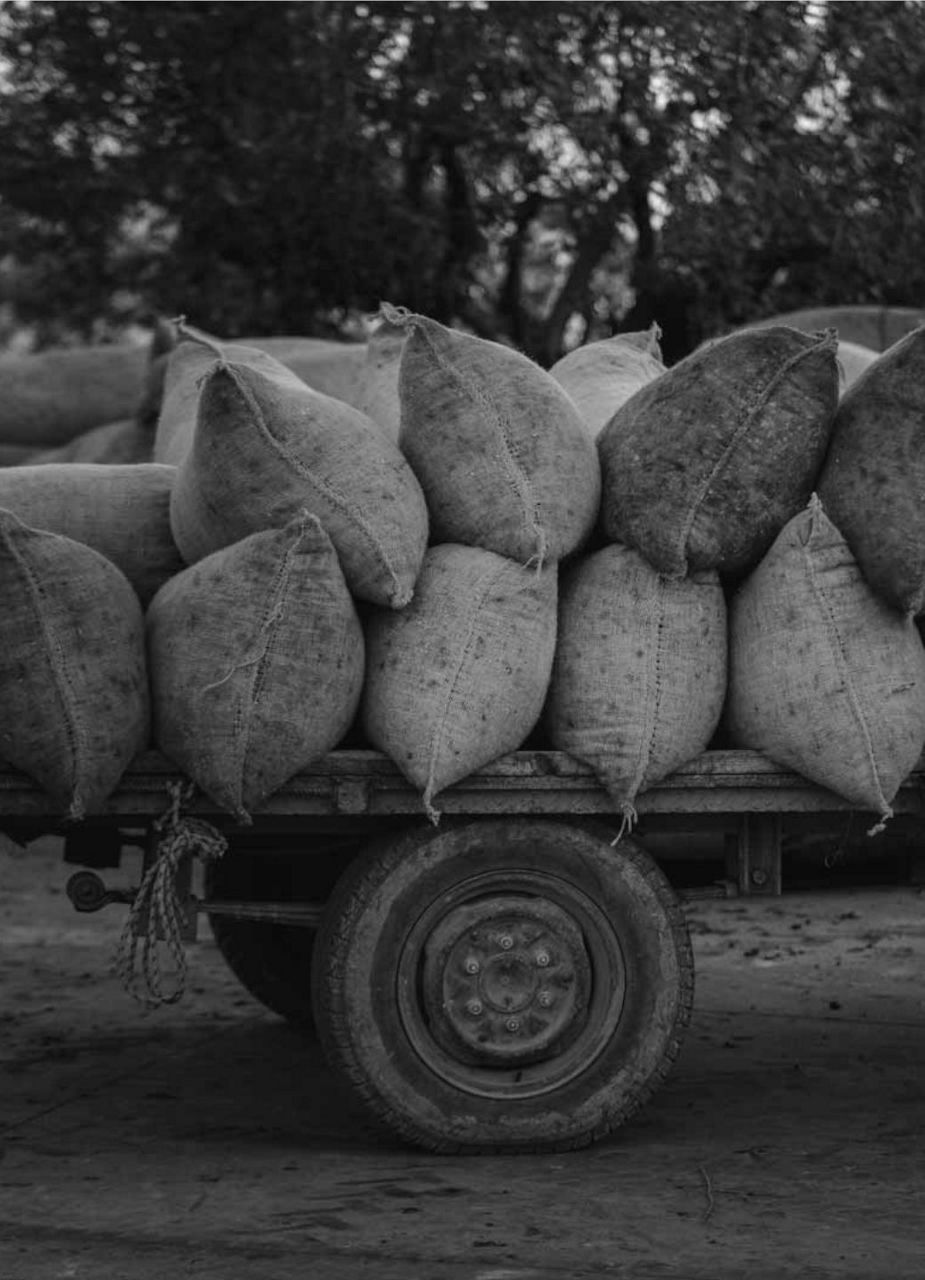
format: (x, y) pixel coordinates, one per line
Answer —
(374, 910)
(271, 961)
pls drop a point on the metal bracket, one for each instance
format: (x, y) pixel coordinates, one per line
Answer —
(351, 795)
(759, 857)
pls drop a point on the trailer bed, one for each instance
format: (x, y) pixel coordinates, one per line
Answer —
(366, 783)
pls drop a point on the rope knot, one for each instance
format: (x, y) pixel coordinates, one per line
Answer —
(156, 913)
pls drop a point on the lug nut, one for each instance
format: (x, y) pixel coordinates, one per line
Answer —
(545, 999)
(472, 966)
(506, 942)
(513, 1024)
(542, 959)
(474, 1007)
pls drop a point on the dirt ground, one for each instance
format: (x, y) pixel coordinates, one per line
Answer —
(208, 1140)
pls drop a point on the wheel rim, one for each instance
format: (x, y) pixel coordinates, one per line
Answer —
(511, 984)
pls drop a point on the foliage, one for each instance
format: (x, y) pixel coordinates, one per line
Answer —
(538, 172)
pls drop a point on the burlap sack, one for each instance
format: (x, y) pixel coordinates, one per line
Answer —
(257, 657)
(195, 355)
(459, 677)
(824, 677)
(873, 479)
(331, 367)
(122, 512)
(378, 395)
(49, 397)
(705, 464)
(601, 376)
(113, 444)
(73, 684)
(874, 327)
(639, 677)
(503, 456)
(267, 447)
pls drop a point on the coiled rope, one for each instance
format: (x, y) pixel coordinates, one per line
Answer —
(156, 914)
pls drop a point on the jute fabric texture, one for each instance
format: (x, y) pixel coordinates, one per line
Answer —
(639, 677)
(123, 512)
(873, 480)
(601, 376)
(705, 465)
(825, 678)
(503, 455)
(74, 705)
(265, 449)
(459, 677)
(257, 657)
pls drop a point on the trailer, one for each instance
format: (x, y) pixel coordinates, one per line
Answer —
(516, 977)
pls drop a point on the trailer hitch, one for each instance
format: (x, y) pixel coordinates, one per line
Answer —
(87, 892)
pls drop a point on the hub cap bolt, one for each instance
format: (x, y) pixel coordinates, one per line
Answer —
(542, 959)
(474, 1007)
(506, 942)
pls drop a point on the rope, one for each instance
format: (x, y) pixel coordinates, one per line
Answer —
(630, 818)
(156, 912)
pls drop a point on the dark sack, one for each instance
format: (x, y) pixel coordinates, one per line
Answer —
(873, 479)
(705, 465)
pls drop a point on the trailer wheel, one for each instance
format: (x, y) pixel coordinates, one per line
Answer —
(512, 985)
(272, 961)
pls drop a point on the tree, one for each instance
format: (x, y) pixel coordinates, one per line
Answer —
(540, 173)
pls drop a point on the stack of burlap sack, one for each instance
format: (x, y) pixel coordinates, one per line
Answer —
(613, 559)
(101, 404)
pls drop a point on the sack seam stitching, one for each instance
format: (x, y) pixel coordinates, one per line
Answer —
(741, 431)
(326, 490)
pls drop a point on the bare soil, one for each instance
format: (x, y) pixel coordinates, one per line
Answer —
(206, 1139)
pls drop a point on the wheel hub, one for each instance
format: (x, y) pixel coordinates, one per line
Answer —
(506, 980)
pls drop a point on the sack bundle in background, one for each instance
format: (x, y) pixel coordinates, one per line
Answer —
(334, 368)
(459, 677)
(267, 447)
(123, 512)
(873, 479)
(601, 376)
(704, 465)
(639, 677)
(378, 394)
(112, 444)
(73, 683)
(824, 677)
(504, 457)
(49, 397)
(256, 657)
